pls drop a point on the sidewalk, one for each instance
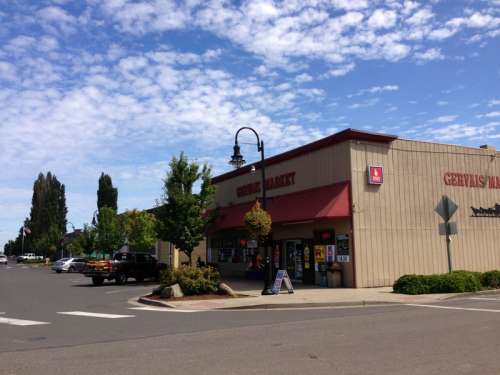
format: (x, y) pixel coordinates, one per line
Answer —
(304, 296)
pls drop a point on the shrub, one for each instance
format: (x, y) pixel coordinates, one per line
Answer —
(192, 280)
(411, 284)
(490, 279)
(453, 282)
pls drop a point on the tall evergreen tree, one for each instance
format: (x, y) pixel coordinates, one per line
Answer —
(47, 220)
(107, 195)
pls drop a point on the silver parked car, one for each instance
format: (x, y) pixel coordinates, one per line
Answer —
(3, 259)
(69, 265)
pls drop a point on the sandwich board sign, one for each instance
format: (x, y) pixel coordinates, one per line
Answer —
(282, 276)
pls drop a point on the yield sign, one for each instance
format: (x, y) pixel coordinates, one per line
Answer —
(446, 208)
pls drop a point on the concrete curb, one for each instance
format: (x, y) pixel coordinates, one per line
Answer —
(270, 306)
(153, 302)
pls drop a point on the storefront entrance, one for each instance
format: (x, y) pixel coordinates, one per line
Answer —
(293, 259)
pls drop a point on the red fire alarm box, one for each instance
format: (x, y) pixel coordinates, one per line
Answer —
(375, 175)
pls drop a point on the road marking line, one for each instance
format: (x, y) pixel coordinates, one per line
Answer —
(164, 309)
(95, 315)
(485, 299)
(21, 322)
(453, 308)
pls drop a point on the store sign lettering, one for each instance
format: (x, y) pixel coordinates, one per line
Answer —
(486, 212)
(276, 182)
(471, 180)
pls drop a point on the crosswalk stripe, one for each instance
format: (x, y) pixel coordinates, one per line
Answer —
(20, 322)
(95, 315)
(453, 308)
(165, 309)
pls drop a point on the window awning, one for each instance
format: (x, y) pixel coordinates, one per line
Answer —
(326, 202)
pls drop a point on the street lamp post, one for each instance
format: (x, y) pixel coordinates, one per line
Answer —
(73, 227)
(237, 161)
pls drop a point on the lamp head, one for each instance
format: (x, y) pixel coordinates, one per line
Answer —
(237, 159)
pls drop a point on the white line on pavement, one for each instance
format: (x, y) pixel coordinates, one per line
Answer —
(453, 308)
(164, 309)
(21, 322)
(485, 299)
(95, 315)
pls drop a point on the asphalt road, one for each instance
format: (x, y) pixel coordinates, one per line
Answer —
(50, 324)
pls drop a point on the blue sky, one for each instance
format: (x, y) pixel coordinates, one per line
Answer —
(121, 86)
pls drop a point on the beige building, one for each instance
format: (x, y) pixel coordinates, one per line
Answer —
(167, 253)
(367, 201)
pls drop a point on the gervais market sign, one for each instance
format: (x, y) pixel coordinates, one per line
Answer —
(471, 180)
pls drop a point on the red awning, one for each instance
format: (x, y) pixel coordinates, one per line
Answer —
(326, 202)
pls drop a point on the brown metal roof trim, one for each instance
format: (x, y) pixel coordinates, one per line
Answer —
(345, 135)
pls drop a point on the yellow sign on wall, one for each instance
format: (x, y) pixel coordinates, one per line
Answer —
(319, 254)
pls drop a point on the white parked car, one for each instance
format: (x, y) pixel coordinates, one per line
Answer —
(29, 257)
(3, 259)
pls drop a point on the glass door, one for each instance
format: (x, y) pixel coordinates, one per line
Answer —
(294, 259)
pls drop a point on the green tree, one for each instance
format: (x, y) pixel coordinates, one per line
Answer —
(107, 195)
(48, 212)
(109, 231)
(86, 241)
(140, 229)
(182, 214)
(48, 242)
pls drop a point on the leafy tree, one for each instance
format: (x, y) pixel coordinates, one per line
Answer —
(48, 211)
(140, 229)
(109, 232)
(182, 214)
(48, 242)
(86, 242)
(10, 248)
(107, 195)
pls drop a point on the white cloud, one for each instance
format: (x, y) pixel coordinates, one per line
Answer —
(375, 90)
(445, 119)
(459, 131)
(382, 19)
(442, 103)
(7, 71)
(493, 102)
(429, 55)
(304, 77)
(341, 70)
(367, 103)
(489, 114)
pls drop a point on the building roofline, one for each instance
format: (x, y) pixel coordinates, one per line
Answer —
(344, 135)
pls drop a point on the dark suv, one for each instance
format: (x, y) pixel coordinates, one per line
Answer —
(139, 266)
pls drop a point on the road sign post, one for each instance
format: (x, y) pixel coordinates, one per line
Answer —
(446, 208)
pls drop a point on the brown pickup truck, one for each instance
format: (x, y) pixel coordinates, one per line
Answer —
(139, 266)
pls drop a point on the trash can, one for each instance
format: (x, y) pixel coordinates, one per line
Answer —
(322, 275)
(334, 275)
